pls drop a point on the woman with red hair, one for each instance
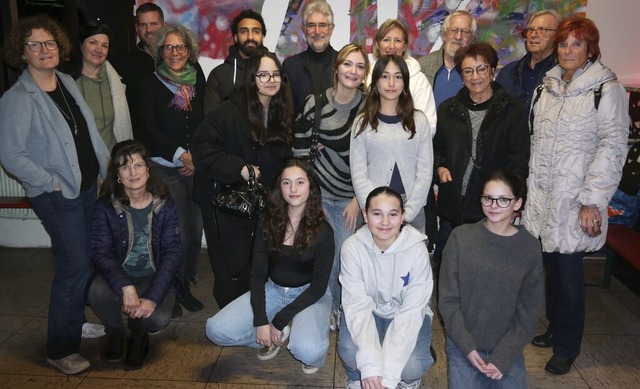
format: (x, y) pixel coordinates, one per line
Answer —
(578, 147)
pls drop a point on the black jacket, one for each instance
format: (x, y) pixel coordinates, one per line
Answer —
(223, 78)
(503, 142)
(222, 145)
(297, 70)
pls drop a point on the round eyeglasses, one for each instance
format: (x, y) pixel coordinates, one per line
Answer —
(481, 70)
(501, 202)
(180, 49)
(267, 77)
(36, 46)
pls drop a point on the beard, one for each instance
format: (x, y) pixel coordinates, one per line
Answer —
(249, 50)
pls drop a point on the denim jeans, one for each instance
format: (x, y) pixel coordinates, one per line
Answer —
(417, 365)
(68, 223)
(333, 209)
(444, 230)
(108, 307)
(564, 299)
(309, 337)
(181, 189)
(462, 374)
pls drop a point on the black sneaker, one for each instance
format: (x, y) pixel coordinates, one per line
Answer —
(543, 341)
(189, 302)
(138, 349)
(113, 352)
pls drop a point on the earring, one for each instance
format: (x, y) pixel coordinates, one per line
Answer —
(119, 182)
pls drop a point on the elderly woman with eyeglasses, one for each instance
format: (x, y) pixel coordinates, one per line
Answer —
(135, 247)
(169, 106)
(479, 130)
(51, 145)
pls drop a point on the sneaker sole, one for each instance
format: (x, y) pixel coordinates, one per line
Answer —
(67, 371)
(269, 356)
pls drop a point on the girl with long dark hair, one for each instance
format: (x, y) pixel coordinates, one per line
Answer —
(292, 258)
(250, 130)
(391, 143)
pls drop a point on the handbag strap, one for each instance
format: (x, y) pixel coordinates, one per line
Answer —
(313, 150)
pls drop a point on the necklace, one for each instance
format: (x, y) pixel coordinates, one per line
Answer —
(72, 118)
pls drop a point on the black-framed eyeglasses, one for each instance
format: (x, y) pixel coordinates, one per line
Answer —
(480, 69)
(501, 202)
(135, 166)
(180, 49)
(36, 46)
(267, 77)
(462, 31)
(541, 31)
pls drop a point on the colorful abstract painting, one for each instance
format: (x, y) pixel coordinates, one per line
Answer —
(364, 23)
(500, 22)
(209, 20)
(291, 40)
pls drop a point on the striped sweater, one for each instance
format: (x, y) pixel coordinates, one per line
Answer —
(332, 162)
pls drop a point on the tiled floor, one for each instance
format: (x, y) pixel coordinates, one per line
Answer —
(182, 357)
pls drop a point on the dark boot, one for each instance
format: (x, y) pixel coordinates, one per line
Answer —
(189, 302)
(177, 310)
(113, 352)
(138, 349)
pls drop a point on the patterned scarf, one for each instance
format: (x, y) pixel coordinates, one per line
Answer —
(184, 82)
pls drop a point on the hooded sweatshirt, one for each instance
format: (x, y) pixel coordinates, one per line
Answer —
(224, 78)
(395, 284)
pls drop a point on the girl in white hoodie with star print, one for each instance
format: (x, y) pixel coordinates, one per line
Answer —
(385, 332)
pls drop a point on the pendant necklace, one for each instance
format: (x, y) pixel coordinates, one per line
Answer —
(72, 118)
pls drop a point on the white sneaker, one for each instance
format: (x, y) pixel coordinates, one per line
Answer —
(353, 384)
(308, 369)
(414, 385)
(335, 319)
(266, 353)
(92, 330)
(71, 364)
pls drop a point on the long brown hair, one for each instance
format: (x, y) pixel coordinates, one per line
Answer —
(404, 109)
(276, 218)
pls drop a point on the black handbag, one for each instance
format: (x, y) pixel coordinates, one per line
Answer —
(246, 199)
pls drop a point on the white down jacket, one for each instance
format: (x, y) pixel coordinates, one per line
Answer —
(577, 154)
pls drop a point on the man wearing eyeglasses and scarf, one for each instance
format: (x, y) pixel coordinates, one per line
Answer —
(520, 78)
(310, 72)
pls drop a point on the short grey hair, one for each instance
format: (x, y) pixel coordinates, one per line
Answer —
(459, 12)
(545, 12)
(320, 6)
(187, 36)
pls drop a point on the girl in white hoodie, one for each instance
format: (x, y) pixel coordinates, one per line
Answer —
(385, 332)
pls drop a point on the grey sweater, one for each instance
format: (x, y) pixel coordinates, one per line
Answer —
(491, 290)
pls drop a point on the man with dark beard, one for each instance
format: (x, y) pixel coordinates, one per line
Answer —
(248, 31)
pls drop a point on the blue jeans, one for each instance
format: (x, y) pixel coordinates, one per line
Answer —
(417, 365)
(444, 230)
(333, 209)
(309, 337)
(68, 223)
(181, 189)
(462, 374)
(564, 299)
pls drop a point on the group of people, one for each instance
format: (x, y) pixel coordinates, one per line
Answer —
(366, 165)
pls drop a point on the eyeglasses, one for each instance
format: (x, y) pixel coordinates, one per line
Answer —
(266, 77)
(36, 46)
(463, 31)
(481, 70)
(128, 168)
(179, 48)
(321, 26)
(541, 31)
(502, 202)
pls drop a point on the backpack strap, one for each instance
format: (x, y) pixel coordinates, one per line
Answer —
(313, 152)
(597, 95)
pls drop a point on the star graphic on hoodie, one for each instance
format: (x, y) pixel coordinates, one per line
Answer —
(405, 279)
